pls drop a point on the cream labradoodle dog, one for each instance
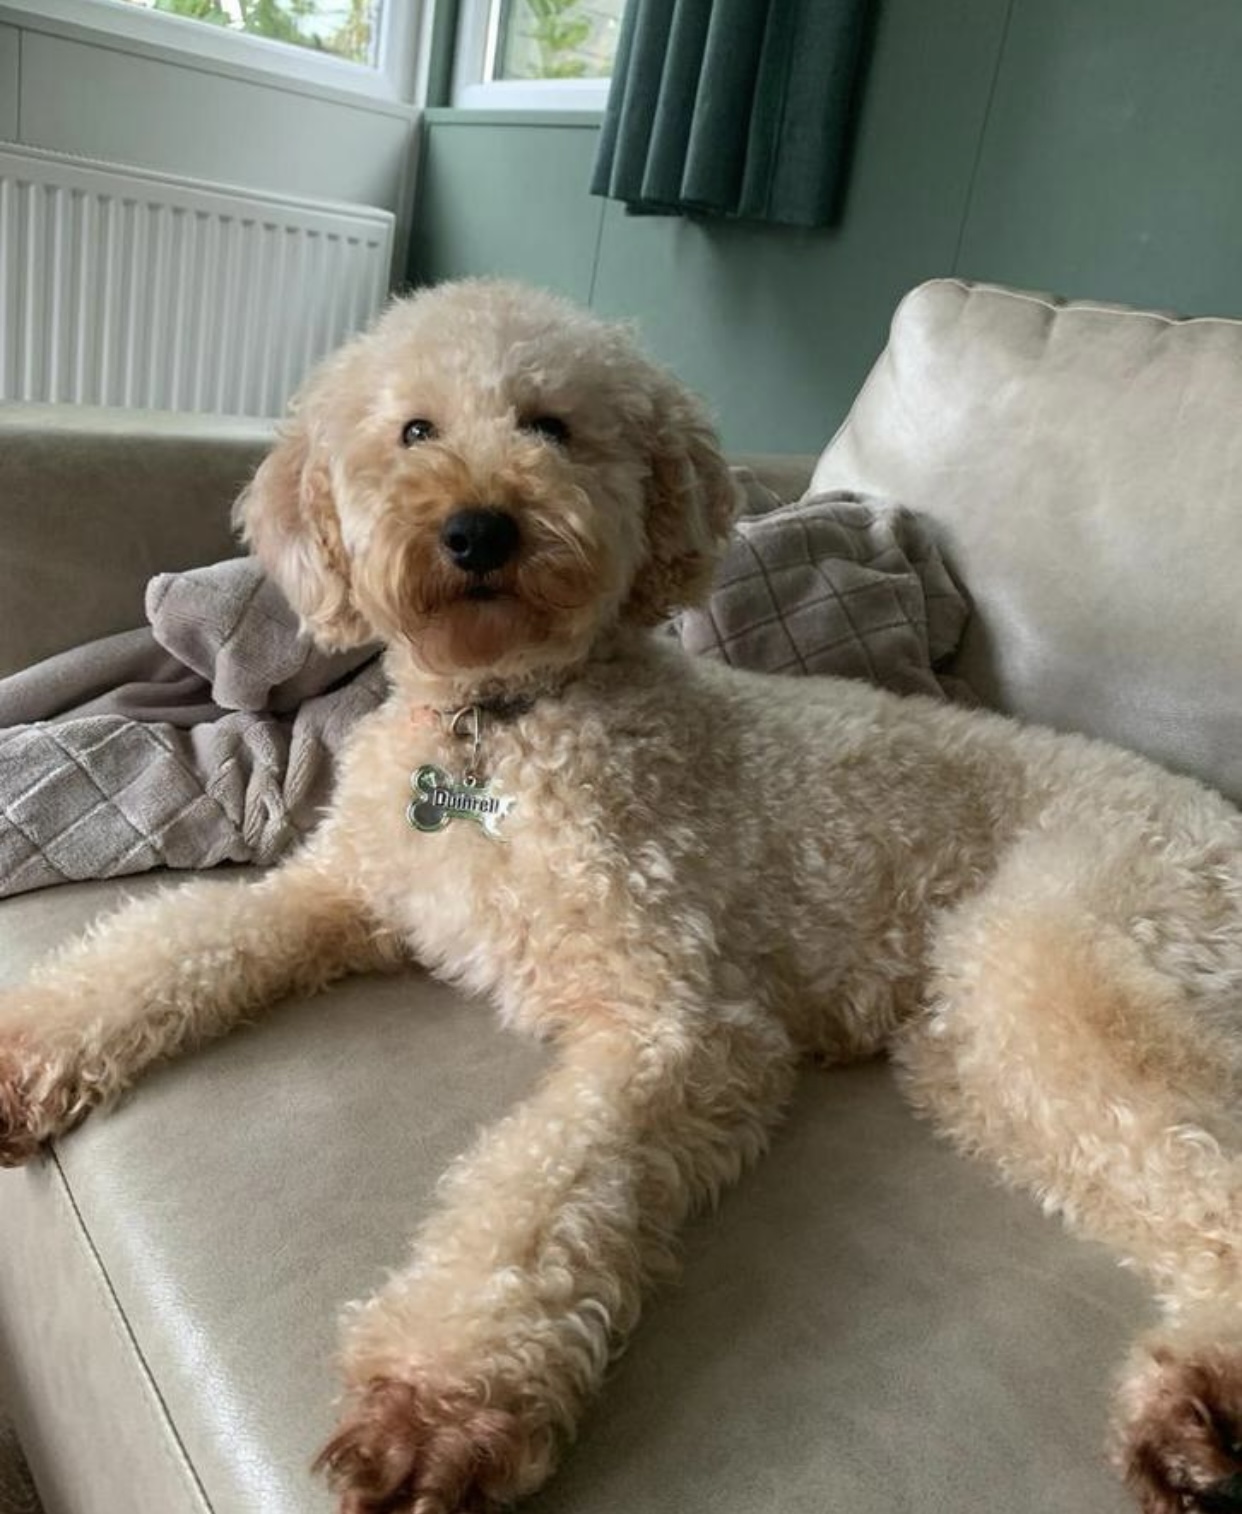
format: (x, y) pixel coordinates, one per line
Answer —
(688, 878)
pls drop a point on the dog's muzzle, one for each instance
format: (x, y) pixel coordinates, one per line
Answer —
(478, 541)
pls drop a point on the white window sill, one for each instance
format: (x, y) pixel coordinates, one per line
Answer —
(533, 94)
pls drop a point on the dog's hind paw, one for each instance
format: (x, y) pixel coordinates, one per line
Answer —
(408, 1448)
(1178, 1441)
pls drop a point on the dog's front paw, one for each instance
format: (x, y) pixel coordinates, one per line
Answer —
(1179, 1430)
(417, 1447)
(18, 1141)
(43, 1090)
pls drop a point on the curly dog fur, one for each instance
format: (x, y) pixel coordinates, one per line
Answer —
(705, 875)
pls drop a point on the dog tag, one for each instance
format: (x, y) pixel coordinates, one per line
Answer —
(439, 799)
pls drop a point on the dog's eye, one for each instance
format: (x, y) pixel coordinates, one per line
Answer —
(550, 427)
(418, 430)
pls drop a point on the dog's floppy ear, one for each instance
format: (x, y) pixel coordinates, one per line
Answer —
(287, 518)
(692, 499)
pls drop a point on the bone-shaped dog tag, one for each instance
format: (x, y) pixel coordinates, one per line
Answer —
(439, 799)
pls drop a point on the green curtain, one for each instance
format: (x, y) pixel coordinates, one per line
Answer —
(735, 108)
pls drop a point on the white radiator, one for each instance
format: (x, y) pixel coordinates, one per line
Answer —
(122, 287)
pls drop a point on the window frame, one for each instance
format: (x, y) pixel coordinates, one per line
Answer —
(396, 79)
(474, 89)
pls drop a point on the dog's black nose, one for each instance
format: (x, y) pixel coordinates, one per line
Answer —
(1223, 1497)
(479, 541)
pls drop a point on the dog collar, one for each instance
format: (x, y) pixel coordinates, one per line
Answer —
(502, 707)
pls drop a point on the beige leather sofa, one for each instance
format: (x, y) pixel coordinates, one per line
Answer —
(868, 1323)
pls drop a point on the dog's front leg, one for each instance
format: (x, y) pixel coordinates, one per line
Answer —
(469, 1369)
(160, 976)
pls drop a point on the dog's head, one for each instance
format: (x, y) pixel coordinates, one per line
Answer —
(489, 480)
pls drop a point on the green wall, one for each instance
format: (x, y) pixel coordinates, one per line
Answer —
(1089, 147)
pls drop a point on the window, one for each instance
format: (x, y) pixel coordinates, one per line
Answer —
(347, 29)
(536, 54)
(370, 47)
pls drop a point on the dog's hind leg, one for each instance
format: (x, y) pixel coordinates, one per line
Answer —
(470, 1367)
(1054, 1047)
(162, 975)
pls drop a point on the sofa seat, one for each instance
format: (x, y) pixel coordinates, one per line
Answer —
(868, 1323)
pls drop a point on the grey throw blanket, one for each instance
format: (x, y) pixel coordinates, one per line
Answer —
(207, 737)
(839, 583)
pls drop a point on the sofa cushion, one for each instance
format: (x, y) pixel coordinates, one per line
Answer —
(868, 1322)
(1082, 466)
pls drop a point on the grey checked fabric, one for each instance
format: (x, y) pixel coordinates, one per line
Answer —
(233, 627)
(834, 584)
(210, 738)
(103, 796)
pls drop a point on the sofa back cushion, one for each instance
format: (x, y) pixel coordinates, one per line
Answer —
(93, 503)
(1081, 466)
